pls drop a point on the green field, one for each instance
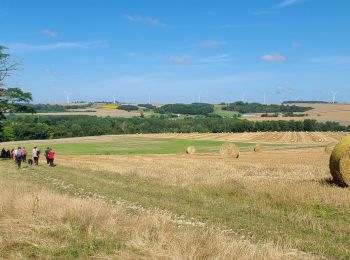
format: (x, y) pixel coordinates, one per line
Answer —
(225, 113)
(132, 145)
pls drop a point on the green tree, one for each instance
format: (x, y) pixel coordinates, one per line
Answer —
(11, 99)
(8, 134)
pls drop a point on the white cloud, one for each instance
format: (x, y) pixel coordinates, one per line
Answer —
(49, 33)
(273, 58)
(218, 59)
(141, 19)
(210, 44)
(286, 3)
(296, 45)
(24, 47)
(180, 60)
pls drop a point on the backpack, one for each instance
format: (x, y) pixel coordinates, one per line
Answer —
(19, 153)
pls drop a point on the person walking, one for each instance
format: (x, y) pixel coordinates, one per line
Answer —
(35, 154)
(18, 157)
(47, 152)
(3, 153)
(52, 157)
(8, 154)
(24, 154)
(13, 154)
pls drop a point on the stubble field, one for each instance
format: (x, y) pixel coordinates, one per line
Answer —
(321, 112)
(141, 196)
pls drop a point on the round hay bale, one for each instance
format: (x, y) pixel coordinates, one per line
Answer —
(258, 148)
(329, 147)
(339, 162)
(229, 150)
(191, 150)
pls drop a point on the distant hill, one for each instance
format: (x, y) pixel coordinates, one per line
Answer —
(306, 102)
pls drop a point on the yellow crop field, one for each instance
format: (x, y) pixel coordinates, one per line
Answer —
(110, 106)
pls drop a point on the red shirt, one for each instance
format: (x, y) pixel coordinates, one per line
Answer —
(51, 154)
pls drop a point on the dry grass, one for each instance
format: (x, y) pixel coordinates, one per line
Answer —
(330, 147)
(321, 138)
(229, 150)
(37, 223)
(295, 174)
(329, 112)
(283, 197)
(321, 112)
(302, 138)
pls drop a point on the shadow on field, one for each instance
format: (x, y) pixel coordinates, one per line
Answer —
(333, 183)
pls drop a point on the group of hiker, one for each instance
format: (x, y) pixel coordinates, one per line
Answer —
(19, 155)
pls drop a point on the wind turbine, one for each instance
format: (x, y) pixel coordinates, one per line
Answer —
(334, 95)
(200, 96)
(149, 97)
(264, 98)
(243, 97)
(114, 99)
(67, 96)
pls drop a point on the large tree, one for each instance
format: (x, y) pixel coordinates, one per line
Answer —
(11, 99)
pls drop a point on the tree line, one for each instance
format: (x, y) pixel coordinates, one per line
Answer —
(186, 109)
(244, 108)
(26, 127)
(47, 108)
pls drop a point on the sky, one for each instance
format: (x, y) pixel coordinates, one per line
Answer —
(179, 51)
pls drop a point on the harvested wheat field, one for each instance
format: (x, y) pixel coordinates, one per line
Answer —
(321, 112)
(321, 138)
(158, 202)
(100, 112)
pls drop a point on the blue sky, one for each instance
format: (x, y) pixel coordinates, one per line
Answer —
(174, 50)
